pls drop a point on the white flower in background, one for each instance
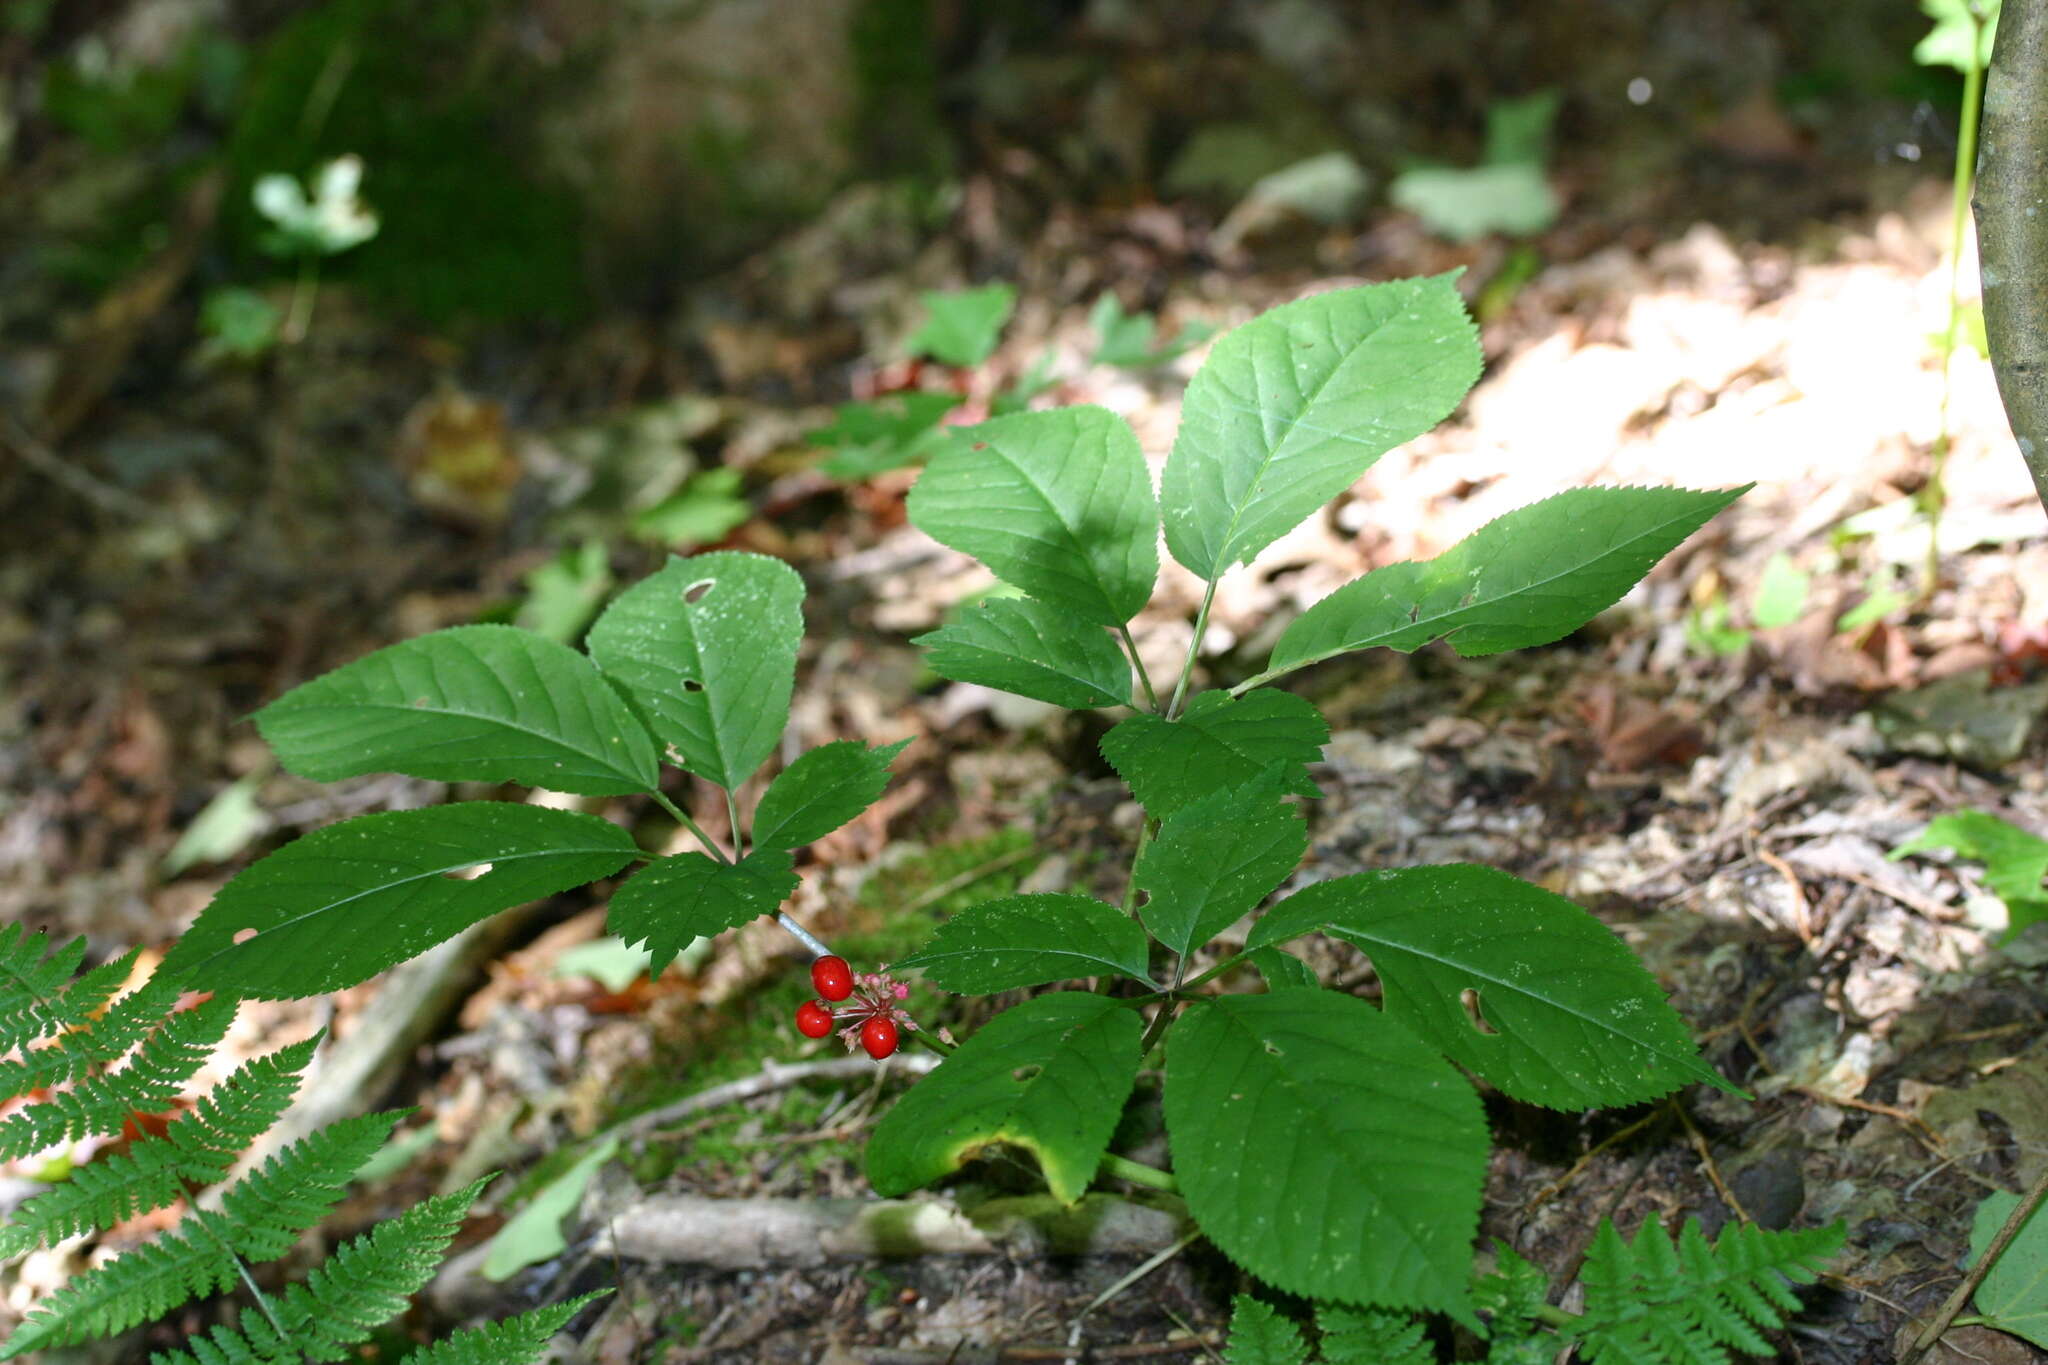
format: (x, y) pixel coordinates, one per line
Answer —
(334, 219)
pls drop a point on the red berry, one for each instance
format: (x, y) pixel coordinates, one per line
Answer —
(878, 1036)
(832, 977)
(813, 1020)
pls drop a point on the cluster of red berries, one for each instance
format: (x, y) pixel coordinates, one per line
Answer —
(871, 1016)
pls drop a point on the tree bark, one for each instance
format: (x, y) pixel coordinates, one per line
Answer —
(2012, 226)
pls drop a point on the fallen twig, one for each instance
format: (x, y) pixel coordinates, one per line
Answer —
(772, 1077)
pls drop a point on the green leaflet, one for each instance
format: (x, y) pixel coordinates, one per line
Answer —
(1219, 742)
(1289, 409)
(1651, 1300)
(2014, 860)
(1571, 1018)
(706, 649)
(469, 704)
(1216, 858)
(1021, 645)
(518, 1340)
(1028, 940)
(822, 790)
(1326, 1149)
(1282, 971)
(1057, 503)
(689, 896)
(1527, 578)
(2014, 1295)
(1260, 1336)
(961, 327)
(341, 904)
(1050, 1075)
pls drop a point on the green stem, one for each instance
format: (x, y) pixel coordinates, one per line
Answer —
(1157, 1030)
(677, 814)
(1187, 668)
(1558, 1318)
(1934, 497)
(938, 1045)
(1123, 1168)
(1206, 977)
(732, 816)
(298, 318)
(1145, 833)
(1144, 678)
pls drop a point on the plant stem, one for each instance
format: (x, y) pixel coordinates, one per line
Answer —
(677, 814)
(1144, 678)
(1206, 977)
(1934, 496)
(1557, 1317)
(1145, 833)
(1157, 1030)
(732, 816)
(298, 318)
(803, 935)
(1123, 1168)
(1187, 668)
(1941, 1322)
(936, 1044)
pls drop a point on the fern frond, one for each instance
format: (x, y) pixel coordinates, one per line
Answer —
(1353, 1336)
(260, 1219)
(1260, 1336)
(514, 1341)
(33, 1000)
(198, 1148)
(365, 1284)
(97, 1043)
(153, 1077)
(1649, 1300)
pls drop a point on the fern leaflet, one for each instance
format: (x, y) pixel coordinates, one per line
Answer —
(260, 1219)
(97, 1042)
(197, 1149)
(1353, 1336)
(1260, 1336)
(515, 1341)
(363, 1285)
(149, 1082)
(33, 1000)
(1649, 1300)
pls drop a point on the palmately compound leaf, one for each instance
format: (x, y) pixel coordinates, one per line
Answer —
(1326, 1149)
(706, 648)
(1509, 980)
(689, 896)
(822, 790)
(1218, 743)
(2014, 860)
(1028, 940)
(961, 327)
(1527, 578)
(339, 905)
(1649, 1300)
(1289, 409)
(1057, 503)
(2014, 1295)
(1050, 1075)
(1215, 859)
(1021, 645)
(1260, 1336)
(467, 704)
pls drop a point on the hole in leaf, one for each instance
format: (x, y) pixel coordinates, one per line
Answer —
(694, 594)
(1273, 1049)
(1469, 998)
(244, 935)
(467, 874)
(692, 685)
(1026, 1073)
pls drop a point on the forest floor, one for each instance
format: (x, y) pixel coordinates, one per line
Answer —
(1724, 794)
